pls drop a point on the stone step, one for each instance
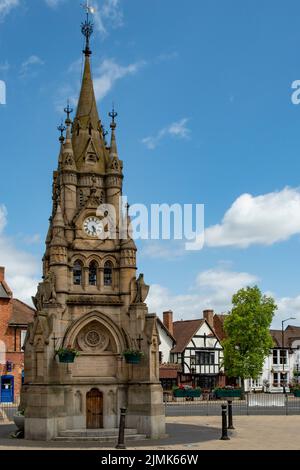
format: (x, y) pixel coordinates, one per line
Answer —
(95, 432)
(101, 439)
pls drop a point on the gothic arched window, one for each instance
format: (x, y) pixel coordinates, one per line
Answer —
(108, 273)
(77, 273)
(93, 273)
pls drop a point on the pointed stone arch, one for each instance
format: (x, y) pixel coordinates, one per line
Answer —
(119, 337)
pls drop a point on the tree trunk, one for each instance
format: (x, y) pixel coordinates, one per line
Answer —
(243, 389)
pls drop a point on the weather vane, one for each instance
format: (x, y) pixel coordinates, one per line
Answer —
(87, 27)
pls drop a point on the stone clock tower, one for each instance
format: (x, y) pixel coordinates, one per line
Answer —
(90, 298)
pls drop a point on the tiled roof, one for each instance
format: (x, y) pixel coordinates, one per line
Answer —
(219, 326)
(290, 334)
(22, 314)
(169, 371)
(184, 332)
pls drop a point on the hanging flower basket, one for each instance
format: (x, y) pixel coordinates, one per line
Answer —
(67, 355)
(133, 356)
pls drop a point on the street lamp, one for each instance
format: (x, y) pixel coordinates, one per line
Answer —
(283, 349)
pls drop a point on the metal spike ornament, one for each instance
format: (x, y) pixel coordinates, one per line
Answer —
(61, 129)
(68, 110)
(87, 28)
(113, 116)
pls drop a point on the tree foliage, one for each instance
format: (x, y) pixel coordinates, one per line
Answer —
(248, 340)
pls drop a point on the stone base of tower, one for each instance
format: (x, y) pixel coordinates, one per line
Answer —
(45, 411)
(53, 409)
(146, 411)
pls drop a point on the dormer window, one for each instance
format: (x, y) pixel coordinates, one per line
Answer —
(77, 273)
(108, 273)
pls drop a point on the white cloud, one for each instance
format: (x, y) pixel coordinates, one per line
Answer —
(33, 239)
(212, 289)
(22, 269)
(264, 220)
(54, 3)
(177, 129)
(6, 6)
(29, 64)
(3, 218)
(287, 307)
(109, 13)
(109, 73)
(104, 78)
(164, 249)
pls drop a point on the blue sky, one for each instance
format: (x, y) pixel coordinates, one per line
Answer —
(203, 93)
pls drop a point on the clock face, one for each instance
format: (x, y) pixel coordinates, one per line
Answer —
(93, 227)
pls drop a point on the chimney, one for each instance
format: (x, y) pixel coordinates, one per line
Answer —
(168, 321)
(208, 315)
(2, 273)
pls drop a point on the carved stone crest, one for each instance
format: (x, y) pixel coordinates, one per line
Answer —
(142, 290)
(46, 292)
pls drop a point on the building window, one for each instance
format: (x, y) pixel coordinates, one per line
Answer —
(23, 336)
(160, 357)
(77, 273)
(193, 360)
(283, 356)
(93, 274)
(205, 358)
(279, 379)
(275, 356)
(256, 382)
(108, 273)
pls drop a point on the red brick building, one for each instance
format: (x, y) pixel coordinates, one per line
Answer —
(14, 319)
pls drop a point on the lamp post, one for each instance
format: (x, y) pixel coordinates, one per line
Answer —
(283, 348)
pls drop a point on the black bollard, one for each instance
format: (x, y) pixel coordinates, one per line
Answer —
(121, 443)
(224, 436)
(230, 421)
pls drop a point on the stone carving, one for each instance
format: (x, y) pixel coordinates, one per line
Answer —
(43, 325)
(69, 161)
(142, 290)
(46, 292)
(93, 338)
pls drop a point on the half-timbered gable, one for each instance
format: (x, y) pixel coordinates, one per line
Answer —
(198, 351)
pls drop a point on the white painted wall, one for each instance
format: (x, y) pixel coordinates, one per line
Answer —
(166, 344)
(269, 368)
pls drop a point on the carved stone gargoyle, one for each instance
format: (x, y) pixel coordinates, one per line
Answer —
(142, 290)
(46, 292)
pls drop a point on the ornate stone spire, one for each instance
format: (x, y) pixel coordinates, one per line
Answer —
(61, 128)
(68, 162)
(87, 137)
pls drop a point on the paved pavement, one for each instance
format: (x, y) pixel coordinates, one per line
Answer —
(193, 433)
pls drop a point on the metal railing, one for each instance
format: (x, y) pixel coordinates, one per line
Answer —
(253, 404)
(7, 411)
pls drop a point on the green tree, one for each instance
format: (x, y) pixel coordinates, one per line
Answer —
(248, 340)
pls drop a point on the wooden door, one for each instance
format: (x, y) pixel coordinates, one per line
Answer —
(94, 409)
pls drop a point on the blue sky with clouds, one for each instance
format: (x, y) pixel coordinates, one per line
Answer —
(203, 92)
